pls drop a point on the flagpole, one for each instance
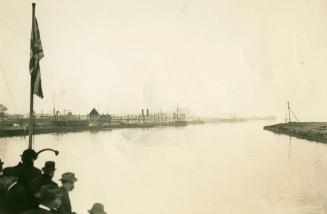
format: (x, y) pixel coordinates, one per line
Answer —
(30, 125)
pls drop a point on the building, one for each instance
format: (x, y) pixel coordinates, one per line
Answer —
(93, 115)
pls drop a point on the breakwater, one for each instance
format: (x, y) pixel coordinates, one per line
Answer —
(313, 131)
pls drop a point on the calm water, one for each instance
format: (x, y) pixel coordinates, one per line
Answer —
(203, 169)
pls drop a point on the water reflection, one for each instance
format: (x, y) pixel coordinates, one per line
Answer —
(214, 168)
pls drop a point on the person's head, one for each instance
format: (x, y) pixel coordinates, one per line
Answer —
(9, 177)
(68, 180)
(49, 168)
(97, 208)
(28, 156)
(49, 195)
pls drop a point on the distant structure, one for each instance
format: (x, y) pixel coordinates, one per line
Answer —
(15, 125)
(93, 115)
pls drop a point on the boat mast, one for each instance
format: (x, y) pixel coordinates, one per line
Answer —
(31, 118)
(289, 112)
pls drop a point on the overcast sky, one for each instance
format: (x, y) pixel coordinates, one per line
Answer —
(213, 57)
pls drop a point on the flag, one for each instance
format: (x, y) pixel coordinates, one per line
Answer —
(36, 56)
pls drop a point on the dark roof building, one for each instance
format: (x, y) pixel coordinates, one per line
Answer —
(94, 112)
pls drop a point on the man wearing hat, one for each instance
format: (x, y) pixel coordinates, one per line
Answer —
(25, 169)
(14, 199)
(49, 197)
(97, 208)
(67, 179)
(45, 179)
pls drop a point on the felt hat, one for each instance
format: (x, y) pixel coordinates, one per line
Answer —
(97, 208)
(68, 176)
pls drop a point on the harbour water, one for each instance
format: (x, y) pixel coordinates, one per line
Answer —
(201, 169)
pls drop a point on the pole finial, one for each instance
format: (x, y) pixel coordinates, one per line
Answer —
(33, 7)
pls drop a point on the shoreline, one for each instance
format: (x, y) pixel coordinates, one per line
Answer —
(312, 131)
(68, 129)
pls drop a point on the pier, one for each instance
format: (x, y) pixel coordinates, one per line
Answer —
(60, 123)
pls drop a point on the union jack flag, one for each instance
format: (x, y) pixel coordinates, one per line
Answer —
(36, 56)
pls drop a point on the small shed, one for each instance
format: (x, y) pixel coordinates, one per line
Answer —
(93, 115)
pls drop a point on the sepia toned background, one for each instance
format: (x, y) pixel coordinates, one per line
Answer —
(210, 58)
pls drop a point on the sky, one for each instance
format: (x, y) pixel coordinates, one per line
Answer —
(208, 57)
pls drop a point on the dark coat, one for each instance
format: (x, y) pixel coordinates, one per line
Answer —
(14, 201)
(26, 172)
(66, 207)
(37, 211)
(35, 185)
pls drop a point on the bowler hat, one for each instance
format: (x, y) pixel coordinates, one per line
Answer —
(97, 208)
(49, 166)
(29, 153)
(68, 176)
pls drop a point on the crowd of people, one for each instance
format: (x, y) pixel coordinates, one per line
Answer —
(25, 189)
